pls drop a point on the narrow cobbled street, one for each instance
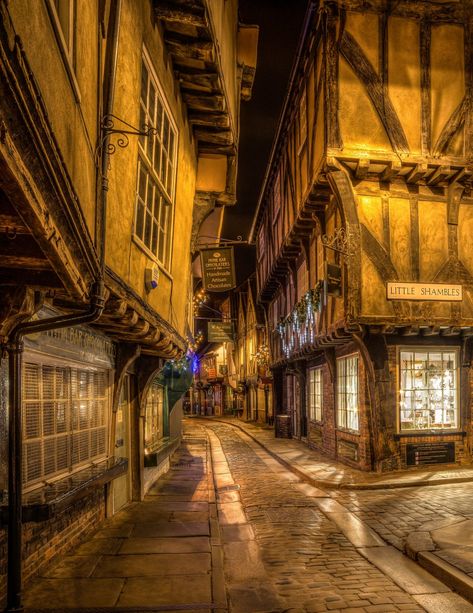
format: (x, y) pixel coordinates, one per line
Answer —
(229, 528)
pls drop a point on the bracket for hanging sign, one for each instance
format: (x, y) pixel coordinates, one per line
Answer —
(338, 242)
(113, 125)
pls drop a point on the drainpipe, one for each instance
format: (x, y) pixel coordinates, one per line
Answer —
(15, 352)
(15, 348)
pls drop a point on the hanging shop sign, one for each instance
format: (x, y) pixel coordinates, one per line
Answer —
(219, 332)
(218, 269)
(424, 291)
(333, 278)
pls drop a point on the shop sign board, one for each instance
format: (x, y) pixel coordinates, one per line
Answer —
(218, 269)
(220, 332)
(444, 292)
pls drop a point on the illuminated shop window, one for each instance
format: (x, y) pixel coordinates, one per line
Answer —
(154, 417)
(64, 419)
(428, 394)
(347, 392)
(315, 394)
(156, 171)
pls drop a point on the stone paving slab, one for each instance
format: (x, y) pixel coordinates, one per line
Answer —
(189, 589)
(444, 603)
(192, 544)
(171, 529)
(67, 593)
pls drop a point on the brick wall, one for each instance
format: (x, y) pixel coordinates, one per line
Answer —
(44, 541)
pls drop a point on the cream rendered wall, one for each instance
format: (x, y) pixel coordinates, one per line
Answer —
(124, 255)
(224, 18)
(74, 120)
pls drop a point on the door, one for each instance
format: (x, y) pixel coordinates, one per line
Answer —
(122, 485)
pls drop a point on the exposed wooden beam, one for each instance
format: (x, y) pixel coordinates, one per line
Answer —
(190, 49)
(202, 102)
(169, 11)
(12, 224)
(210, 120)
(222, 137)
(418, 172)
(24, 262)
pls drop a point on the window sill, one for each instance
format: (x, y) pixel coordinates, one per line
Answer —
(149, 254)
(158, 455)
(49, 500)
(426, 433)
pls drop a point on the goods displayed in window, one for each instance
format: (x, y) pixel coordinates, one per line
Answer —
(428, 394)
(315, 394)
(154, 417)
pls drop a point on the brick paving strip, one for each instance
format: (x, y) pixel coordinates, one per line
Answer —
(162, 554)
(318, 555)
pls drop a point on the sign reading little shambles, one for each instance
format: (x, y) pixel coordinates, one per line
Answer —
(220, 332)
(424, 291)
(218, 269)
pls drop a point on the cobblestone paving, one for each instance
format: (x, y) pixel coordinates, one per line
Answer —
(311, 563)
(394, 514)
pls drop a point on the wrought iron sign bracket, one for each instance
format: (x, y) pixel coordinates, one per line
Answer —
(338, 242)
(112, 125)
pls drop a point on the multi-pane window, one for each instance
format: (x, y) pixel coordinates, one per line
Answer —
(156, 170)
(64, 10)
(315, 394)
(347, 392)
(428, 390)
(302, 118)
(154, 416)
(64, 419)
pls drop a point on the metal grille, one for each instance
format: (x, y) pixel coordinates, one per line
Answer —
(64, 419)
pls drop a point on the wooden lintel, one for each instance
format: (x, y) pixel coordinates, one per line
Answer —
(204, 103)
(115, 308)
(24, 262)
(442, 173)
(418, 172)
(190, 49)
(362, 168)
(451, 331)
(167, 11)
(391, 171)
(221, 137)
(206, 83)
(12, 225)
(211, 120)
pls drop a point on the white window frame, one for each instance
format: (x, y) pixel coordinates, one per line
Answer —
(155, 207)
(315, 394)
(73, 430)
(348, 397)
(66, 44)
(425, 392)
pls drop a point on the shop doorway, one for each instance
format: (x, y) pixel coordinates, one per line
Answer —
(122, 485)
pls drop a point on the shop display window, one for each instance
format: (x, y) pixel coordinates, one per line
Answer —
(428, 389)
(315, 394)
(347, 392)
(154, 417)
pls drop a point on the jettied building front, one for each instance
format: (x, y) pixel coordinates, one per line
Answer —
(363, 231)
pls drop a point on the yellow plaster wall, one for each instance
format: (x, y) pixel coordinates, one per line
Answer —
(370, 212)
(447, 74)
(465, 236)
(404, 77)
(373, 291)
(433, 239)
(124, 255)
(360, 125)
(364, 29)
(74, 122)
(400, 229)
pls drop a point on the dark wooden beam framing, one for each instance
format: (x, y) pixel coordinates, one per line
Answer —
(455, 122)
(365, 72)
(425, 84)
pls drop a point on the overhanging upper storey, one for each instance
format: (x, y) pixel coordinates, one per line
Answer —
(381, 91)
(214, 64)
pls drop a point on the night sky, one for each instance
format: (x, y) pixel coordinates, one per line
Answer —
(280, 23)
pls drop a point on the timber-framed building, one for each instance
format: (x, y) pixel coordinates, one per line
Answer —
(363, 232)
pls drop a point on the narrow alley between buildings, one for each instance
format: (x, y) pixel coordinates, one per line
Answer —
(230, 528)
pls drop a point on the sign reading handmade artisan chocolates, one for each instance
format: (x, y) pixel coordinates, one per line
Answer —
(444, 292)
(218, 269)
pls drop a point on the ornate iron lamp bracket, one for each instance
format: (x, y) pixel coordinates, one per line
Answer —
(338, 242)
(112, 125)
